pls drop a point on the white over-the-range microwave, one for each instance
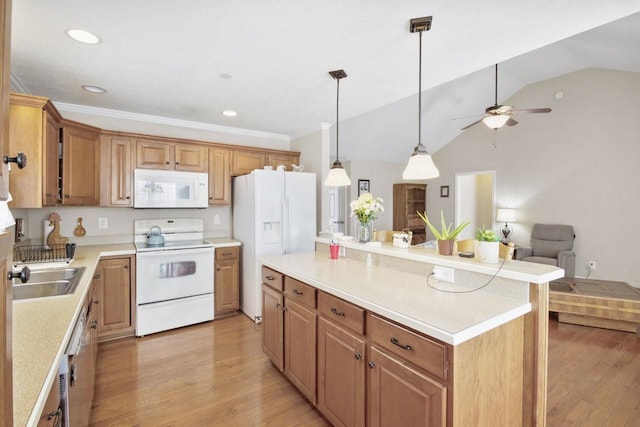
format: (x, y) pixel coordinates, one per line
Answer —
(170, 189)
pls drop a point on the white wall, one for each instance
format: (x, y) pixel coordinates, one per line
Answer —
(314, 157)
(577, 165)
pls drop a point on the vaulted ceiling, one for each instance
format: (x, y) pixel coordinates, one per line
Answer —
(269, 61)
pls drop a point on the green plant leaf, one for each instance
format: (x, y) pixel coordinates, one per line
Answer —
(445, 233)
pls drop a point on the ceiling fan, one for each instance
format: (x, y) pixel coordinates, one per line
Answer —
(497, 116)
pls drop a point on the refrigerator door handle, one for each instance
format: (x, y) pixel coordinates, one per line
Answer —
(285, 226)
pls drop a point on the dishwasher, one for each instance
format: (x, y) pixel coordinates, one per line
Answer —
(78, 356)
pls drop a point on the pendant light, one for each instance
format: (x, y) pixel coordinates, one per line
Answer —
(420, 164)
(337, 175)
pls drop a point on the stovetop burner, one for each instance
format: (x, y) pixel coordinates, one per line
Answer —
(178, 233)
(173, 245)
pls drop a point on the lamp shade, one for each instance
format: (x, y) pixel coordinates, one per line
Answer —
(496, 122)
(337, 176)
(506, 215)
(420, 166)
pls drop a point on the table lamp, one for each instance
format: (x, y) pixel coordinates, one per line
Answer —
(506, 216)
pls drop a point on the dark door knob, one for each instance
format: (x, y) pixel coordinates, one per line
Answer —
(20, 159)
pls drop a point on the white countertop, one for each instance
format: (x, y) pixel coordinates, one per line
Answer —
(403, 297)
(221, 242)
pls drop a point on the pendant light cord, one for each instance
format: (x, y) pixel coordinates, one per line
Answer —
(420, 92)
(338, 121)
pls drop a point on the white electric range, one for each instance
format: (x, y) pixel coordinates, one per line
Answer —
(174, 281)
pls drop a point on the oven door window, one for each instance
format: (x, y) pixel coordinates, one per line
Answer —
(177, 269)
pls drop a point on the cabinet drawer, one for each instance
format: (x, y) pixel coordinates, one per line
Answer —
(341, 312)
(226, 253)
(417, 349)
(272, 278)
(300, 292)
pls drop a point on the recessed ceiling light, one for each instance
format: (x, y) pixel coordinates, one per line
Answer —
(225, 76)
(83, 36)
(229, 113)
(94, 89)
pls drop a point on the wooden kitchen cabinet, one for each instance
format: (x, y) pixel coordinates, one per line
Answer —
(243, 162)
(402, 395)
(114, 283)
(286, 160)
(408, 199)
(226, 281)
(219, 177)
(34, 130)
(51, 415)
(300, 336)
(80, 164)
(341, 374)
(116, 170)
(273, 325)
(158, 154)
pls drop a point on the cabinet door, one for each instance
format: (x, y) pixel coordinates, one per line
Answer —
(285, 160)
(341, 375)
(6, 328)
(51, 415)
(219, 176)
(226, 285)
(51, 161)
(403, 396)
(273, 325)
(118, 164)
(154, 154)
(80, 166)
(243, 162)
(300, 347)
(113, 286)
(191, 157)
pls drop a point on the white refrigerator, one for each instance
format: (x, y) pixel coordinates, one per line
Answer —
(274, 213)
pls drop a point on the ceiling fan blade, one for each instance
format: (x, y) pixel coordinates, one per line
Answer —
(468, 117)
(474, 123)
(511, 122)
(532, 110)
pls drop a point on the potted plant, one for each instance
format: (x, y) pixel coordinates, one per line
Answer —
(486, 247)
(446, 237)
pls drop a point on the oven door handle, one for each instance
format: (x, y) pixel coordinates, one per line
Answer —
(167, 252)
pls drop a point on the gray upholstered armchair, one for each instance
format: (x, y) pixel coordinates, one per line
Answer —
(551, 244)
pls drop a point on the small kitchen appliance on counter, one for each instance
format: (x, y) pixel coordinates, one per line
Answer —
(174, 274)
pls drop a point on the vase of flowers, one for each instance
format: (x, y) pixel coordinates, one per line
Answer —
(365, 209)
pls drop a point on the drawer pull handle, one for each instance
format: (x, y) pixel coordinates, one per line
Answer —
(297, 292)
(226, 253)
(270, 278)
(371, 365)
(394, 341)
(337, 313)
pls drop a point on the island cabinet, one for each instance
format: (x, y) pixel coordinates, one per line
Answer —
(341, 361)
(226, 281)
(114, 284)
(219, 176)
(80, 171)
(377, 372)
(159, 154)
(35, 131)
(116, 170)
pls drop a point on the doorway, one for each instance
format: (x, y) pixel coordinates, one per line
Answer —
(337, 209)
(475, 201)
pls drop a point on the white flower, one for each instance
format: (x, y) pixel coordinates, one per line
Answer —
(365, 207)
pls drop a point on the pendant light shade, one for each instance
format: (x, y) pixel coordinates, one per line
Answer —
(420, 164)
(337, 175)
(496, 122)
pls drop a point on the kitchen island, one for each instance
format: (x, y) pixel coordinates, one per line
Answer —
(495, 305)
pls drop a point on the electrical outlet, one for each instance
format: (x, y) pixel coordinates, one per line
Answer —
(592, 265)
(443, 273)
(103, 223)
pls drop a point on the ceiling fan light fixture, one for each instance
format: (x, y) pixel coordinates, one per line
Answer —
(497, 121)
(420, 165)
(337, 175)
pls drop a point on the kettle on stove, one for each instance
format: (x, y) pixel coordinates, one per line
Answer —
(154, 237)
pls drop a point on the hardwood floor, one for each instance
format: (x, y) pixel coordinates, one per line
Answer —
(215, 374)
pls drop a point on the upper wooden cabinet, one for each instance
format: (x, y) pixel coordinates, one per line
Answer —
(80, 164)
(243, 162)
(157, 154)
(283, 159)
(219, 176)
(35, 131)
(116, 170)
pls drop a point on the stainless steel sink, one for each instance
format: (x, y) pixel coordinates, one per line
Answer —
(48, 283)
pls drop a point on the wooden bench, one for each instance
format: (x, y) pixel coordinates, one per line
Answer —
(600, 303)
